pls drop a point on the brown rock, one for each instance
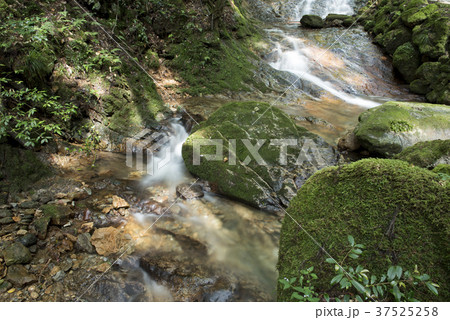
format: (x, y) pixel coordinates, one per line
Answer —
(118, 203)
(106, 241)
(19, 276)
(349, 142)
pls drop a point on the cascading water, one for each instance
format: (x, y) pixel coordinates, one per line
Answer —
(323, 7)
(297, 59)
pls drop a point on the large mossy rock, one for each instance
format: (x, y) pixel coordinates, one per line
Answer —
(388, 129)
(399, 212)
(253, 182)
(312, 21)
(427, 154)
(407, 59)
(414, 32)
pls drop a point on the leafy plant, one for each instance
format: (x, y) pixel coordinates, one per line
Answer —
(21, 120)
(358, 283)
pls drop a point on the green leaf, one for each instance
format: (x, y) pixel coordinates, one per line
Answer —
(391, 273)
(373, 279)
(396, 292)
(398, 271)
(431, 287)
(353, 256)
(326, 297)
(357, 251)
(358, 286)
(330, 260)
(337, 278)
(358, 298)
(351, 240)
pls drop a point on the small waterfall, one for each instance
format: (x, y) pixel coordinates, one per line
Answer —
(323, 7)
(296, 60)
(167, 162)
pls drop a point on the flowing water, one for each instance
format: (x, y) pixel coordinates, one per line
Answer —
(215, 249)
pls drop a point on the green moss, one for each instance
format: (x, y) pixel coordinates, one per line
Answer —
(421, 15)
(382, 129)
(431, 36)
(443, 169)
(395, 38)
(425, 154)
(312, 21)
(406, 60)
(365, 199)
(400, 126)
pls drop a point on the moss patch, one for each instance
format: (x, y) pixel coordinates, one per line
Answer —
(364, 199)
(426, 154)
(393, 126)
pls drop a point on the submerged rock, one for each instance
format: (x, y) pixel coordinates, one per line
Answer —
(266, 157)
(393, 126)
(188, 191)
(399, 212)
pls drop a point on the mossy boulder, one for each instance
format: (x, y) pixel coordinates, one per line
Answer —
(431, 36)
(16, 253)
(395, 38)
(406, 60)
(337, 20)
(312, 21)
(399, 212)
(264, 184)
(388, 129)
(427, 154)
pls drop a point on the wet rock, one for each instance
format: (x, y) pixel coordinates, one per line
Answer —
(189, 191)
(6, 220)
(84, 243)
(19, 276)
(312, 21)
(118, 203)
(394, 126)
(106, 241)
(28, 240)
(218, 296)
(16, 253)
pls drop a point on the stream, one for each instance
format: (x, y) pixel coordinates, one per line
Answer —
(215, 249)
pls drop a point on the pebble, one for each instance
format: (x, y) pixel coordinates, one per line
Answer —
(34, 295)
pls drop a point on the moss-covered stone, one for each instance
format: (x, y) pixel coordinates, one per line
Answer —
(393, 126)
(59, 215)
(395, 38)
(421, 15)
(427, 154)
(431, 36)
(443, 169)
(399, 212)
(312, 21)
(248, 180)
(406, 59)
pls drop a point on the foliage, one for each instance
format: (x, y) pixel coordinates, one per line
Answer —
(24, 120)
(358, 283)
